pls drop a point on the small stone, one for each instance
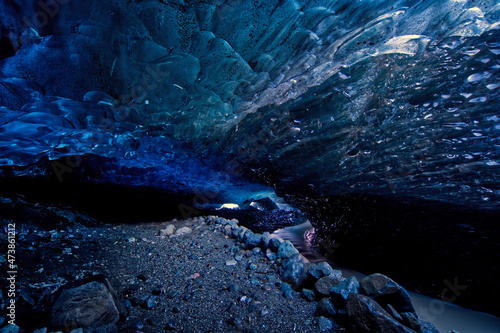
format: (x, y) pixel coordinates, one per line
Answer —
(325, 308)
(324, 324)
(286, 250)
(183, 231)
(257, 251)
(326, 283)
(231, 262)
(308, 294)
(233, 287)
(77, 330)
(341, 291)
(171, 325)
(176, 309)
(253, 241)
(170, 229)
(139, 324)
(173, 294)
(150, 302)
(252, 266)
(158, 290)
(66, 251)
(270, 255)
(274, 243)
(266, 237)
(143, 277)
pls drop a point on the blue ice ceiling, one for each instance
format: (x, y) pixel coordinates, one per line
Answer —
(322, 98)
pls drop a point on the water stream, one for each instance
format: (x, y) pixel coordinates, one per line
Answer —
(445, 316)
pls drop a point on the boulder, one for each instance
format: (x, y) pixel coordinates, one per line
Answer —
(366, 315)
(325, 308)
(86, 303)
(326, 283)
(385, 291)
(253, 241)
(341, 292)
(292, 271)
(286, 250)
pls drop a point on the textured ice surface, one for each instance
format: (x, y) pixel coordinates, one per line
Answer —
(315, 97)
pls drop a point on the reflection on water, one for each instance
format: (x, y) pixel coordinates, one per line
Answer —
(445, 316)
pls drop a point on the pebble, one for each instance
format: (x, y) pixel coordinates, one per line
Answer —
(233, 287)
(183, 231)
(171, 325)
(308, 294)
(231, 262)
(252, 266)
(324, 324)
(150, 302)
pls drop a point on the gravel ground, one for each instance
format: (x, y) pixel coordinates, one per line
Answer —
(202, 281)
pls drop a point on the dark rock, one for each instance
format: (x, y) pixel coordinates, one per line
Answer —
(158, 290)
(326, 283)
(270, 255)
(413, 321)
(325, 308)
(292, 271)
(390, 309)
(176, 309)
(233, 287)
(252, 266)
(171, 325)
(87, 303)
(143, 277)
(366, 315)
(286, 250)
(385, 291)
(324, 324)
(150, 302)
(253, 241)
(266, 237)
(274, 243)
(10, 329)
(173, 294)
(341, 291)
(132, 288)
(308, 294)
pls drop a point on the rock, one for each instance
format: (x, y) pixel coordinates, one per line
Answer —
(252, 266)
(253, 241)
(308, 294)
(183, 231)
(292, 271)
(86, 303)
(366, 315)
(341, 291)
(287, 290)
(170, 229)
(385, 291)
(41, 330)
(143, 277)
(324, 324)
(171, 325)
(274, 243)
(150, 302)
(325, 308)
(413, 321)
(266, 237)
(390, 309)
(270, 255)
(77, 330)
(10, 329)
(257, 251)
(326, 283)
(286, 250)
(231, 262)
(233, 287)
(326, 269)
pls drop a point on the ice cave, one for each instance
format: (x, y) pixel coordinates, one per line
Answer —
(250, 166)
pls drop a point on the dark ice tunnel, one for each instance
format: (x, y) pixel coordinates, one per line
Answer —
(378, 119)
